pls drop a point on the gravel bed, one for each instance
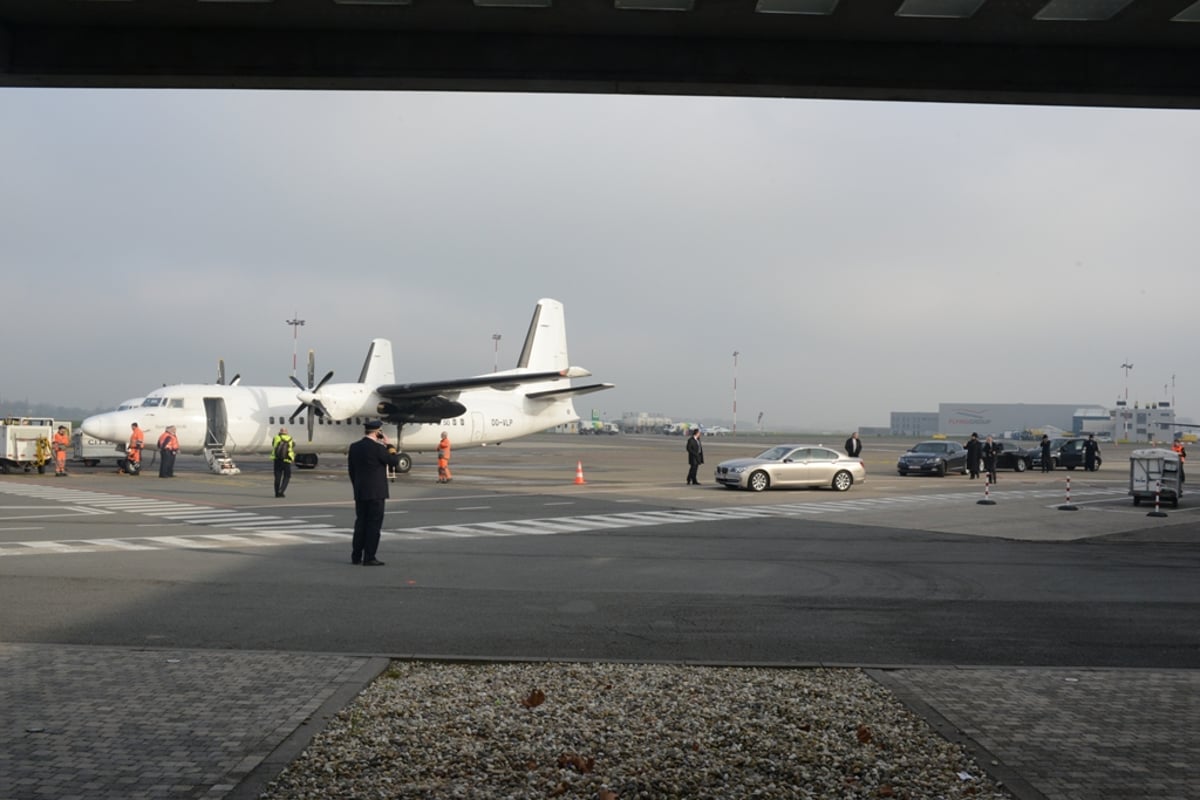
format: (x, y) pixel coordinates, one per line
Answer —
(620, 731)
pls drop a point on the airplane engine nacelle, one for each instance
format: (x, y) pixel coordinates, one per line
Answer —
(426, 409)
(346, 400)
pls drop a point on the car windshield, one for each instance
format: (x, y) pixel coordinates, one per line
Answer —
(775, 453)
(929, 447)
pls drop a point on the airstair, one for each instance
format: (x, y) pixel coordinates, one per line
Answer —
(219, 461)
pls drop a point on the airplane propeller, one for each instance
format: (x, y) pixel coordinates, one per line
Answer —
(308, 394)
(221, 374)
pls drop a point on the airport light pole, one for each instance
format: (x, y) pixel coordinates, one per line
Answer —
(735, 356)
(495, 352)
(1125, 413)
(295, 322)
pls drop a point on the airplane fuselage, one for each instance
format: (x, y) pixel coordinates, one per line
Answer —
(533, 396)
(245, 419)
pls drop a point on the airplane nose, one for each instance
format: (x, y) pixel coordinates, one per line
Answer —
(103, 426)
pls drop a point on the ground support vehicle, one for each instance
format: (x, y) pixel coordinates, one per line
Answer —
(92, 451)
(25, 442)
(1155, 471)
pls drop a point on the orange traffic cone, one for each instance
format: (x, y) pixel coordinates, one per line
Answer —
(579, 481)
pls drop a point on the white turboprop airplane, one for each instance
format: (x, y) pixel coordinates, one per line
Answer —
(485, 409)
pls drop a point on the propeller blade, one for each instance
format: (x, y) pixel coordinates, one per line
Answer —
(308, 399)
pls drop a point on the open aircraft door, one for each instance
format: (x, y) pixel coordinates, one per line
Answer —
(216, 422)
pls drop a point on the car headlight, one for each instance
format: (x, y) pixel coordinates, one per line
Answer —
(737, 470)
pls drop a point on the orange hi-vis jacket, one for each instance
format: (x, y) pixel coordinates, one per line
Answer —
(136, 443)
(62, 442)
(168, 441)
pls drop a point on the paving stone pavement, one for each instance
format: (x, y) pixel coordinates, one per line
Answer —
(107, 722)
(1067, 734)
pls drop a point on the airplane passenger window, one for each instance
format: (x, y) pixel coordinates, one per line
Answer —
(176, 402)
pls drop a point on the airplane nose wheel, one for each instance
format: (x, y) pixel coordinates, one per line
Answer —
(405, 463)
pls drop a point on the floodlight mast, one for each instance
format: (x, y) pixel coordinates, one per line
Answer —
(295, 322)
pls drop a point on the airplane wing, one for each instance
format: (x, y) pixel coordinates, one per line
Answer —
(435, 400)
(500, 380)
(571, 390)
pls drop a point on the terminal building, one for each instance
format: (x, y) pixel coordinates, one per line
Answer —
(1153, 422)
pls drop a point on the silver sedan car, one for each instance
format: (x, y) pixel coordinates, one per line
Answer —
(792, 465)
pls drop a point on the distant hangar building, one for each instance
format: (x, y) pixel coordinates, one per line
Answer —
(1153, 422)
(960, 420)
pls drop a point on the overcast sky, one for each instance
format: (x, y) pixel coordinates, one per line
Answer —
(861, 257)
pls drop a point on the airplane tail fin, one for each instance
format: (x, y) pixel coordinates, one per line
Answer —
(546, 341)
(378, 369)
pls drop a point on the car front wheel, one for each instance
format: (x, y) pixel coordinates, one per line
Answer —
(1020, 466)
(758, 481)
(843, 481)
(941, 470)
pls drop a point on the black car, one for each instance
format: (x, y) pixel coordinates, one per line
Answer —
(1067, 453)
(1071, 454)
(935, 457)
(1013, 456)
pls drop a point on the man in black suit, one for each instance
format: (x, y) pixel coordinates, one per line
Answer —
(367, 461)
(854, 445)
(974, 452)
(695, 453)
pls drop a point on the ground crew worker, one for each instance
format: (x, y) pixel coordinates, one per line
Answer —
(60, 444)
(283, 453)
(133, 451)
(1178, 448)
(168, 446)
(443, 455)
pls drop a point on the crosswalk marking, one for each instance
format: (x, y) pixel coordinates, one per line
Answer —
(254, 530)
(262, 530)
(543, 525)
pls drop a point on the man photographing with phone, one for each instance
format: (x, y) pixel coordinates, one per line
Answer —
(367, 461)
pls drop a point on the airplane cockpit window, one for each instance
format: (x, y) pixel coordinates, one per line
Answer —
(175, 402)
(152, 402)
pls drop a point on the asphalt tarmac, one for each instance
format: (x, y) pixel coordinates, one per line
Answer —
(515, 560)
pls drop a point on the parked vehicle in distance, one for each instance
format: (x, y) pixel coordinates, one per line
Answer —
(1071, 454)
(1012, 456)
(1035, 453)
(933, 458)
(1064, 452)
(788, 465)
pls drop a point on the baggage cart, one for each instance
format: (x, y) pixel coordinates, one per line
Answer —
(1155, 471)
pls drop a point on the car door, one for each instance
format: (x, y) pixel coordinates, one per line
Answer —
(821, 465)
(791, 469)
(1072, 454)
(955, 456)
